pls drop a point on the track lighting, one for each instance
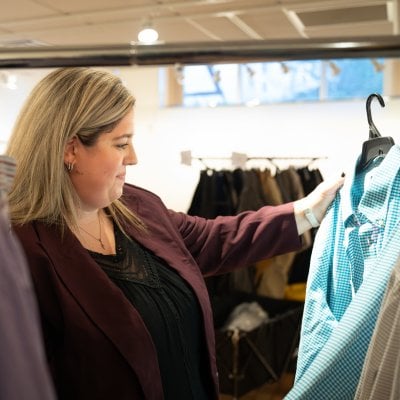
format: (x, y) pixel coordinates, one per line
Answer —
(334, 68)
(217, 76)
(179, 74)
(285, 68)
(8, 80)
(378, 67)
(250, 71)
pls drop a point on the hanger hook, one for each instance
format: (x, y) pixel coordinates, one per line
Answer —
(373, 131)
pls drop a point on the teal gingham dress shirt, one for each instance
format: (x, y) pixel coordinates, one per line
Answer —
(354, 251)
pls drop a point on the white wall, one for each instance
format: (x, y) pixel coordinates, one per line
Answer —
(335, 130)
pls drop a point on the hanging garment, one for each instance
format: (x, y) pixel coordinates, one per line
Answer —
(272, 273)
(310, 178)
(290, 184)
(23, 367)
(380, 375)
(270, 187)
(296, 286)
(214, 195)
(291, 187)
(355, 249)
(251, 195)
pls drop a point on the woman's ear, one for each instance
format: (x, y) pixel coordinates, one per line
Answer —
(70, 151)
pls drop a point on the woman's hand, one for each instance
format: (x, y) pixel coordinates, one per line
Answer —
(310, 210)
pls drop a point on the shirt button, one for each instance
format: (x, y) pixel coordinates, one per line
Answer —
(380, 222)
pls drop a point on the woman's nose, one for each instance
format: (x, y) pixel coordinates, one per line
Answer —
(131, 158)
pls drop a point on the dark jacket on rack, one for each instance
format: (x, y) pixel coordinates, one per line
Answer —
(214, 195)
(97, 344)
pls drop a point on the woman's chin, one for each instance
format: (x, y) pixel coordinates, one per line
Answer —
(117, 193)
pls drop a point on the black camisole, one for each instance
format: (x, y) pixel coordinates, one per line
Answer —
(170, 312)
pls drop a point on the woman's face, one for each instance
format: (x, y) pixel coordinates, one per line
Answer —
(99, 170)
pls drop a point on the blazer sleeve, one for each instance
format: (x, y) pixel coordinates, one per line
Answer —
(222, 244)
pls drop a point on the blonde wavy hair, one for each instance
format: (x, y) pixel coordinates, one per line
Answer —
(68, 102)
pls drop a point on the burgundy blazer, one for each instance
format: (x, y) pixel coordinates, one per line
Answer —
(97, 344)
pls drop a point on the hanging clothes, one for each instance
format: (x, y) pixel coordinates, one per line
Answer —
(354, 252)
(214, 195)
(291, 187)
(23, 366)
(380, 375)
(217, 193)
(228, 192)
(271, 190)
(250, 197)
(272, 273)
(310, 179)
(250, 194)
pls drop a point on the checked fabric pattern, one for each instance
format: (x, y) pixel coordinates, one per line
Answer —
(355, 250)
(379, 377)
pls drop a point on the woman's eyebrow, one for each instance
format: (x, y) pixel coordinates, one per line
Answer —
(123, 136)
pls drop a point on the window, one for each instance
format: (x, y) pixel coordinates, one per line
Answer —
(274, 82)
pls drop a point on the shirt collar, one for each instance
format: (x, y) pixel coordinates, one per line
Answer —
(375, 194)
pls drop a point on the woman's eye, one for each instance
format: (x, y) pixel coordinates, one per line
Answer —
(122, 146)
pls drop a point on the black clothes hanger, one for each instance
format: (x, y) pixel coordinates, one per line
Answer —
(376, 145)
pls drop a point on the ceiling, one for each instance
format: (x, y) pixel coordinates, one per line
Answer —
(193, 29)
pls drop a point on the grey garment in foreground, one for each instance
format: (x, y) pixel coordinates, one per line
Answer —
(380, 377)
(23, 367)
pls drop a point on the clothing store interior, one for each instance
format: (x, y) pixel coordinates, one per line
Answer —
(242, 104)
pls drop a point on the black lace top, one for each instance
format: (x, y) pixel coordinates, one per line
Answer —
(170, 312)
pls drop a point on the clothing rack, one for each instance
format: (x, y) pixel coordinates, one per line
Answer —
(239, 160)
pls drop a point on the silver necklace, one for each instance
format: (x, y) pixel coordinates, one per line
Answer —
(94, 237)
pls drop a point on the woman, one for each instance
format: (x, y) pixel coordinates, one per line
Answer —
(118, 277)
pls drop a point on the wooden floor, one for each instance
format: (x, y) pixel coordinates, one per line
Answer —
(273, 391)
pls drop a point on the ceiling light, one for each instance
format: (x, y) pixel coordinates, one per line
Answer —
(148, 35)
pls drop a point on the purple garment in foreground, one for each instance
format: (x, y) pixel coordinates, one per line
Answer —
(23, 367)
